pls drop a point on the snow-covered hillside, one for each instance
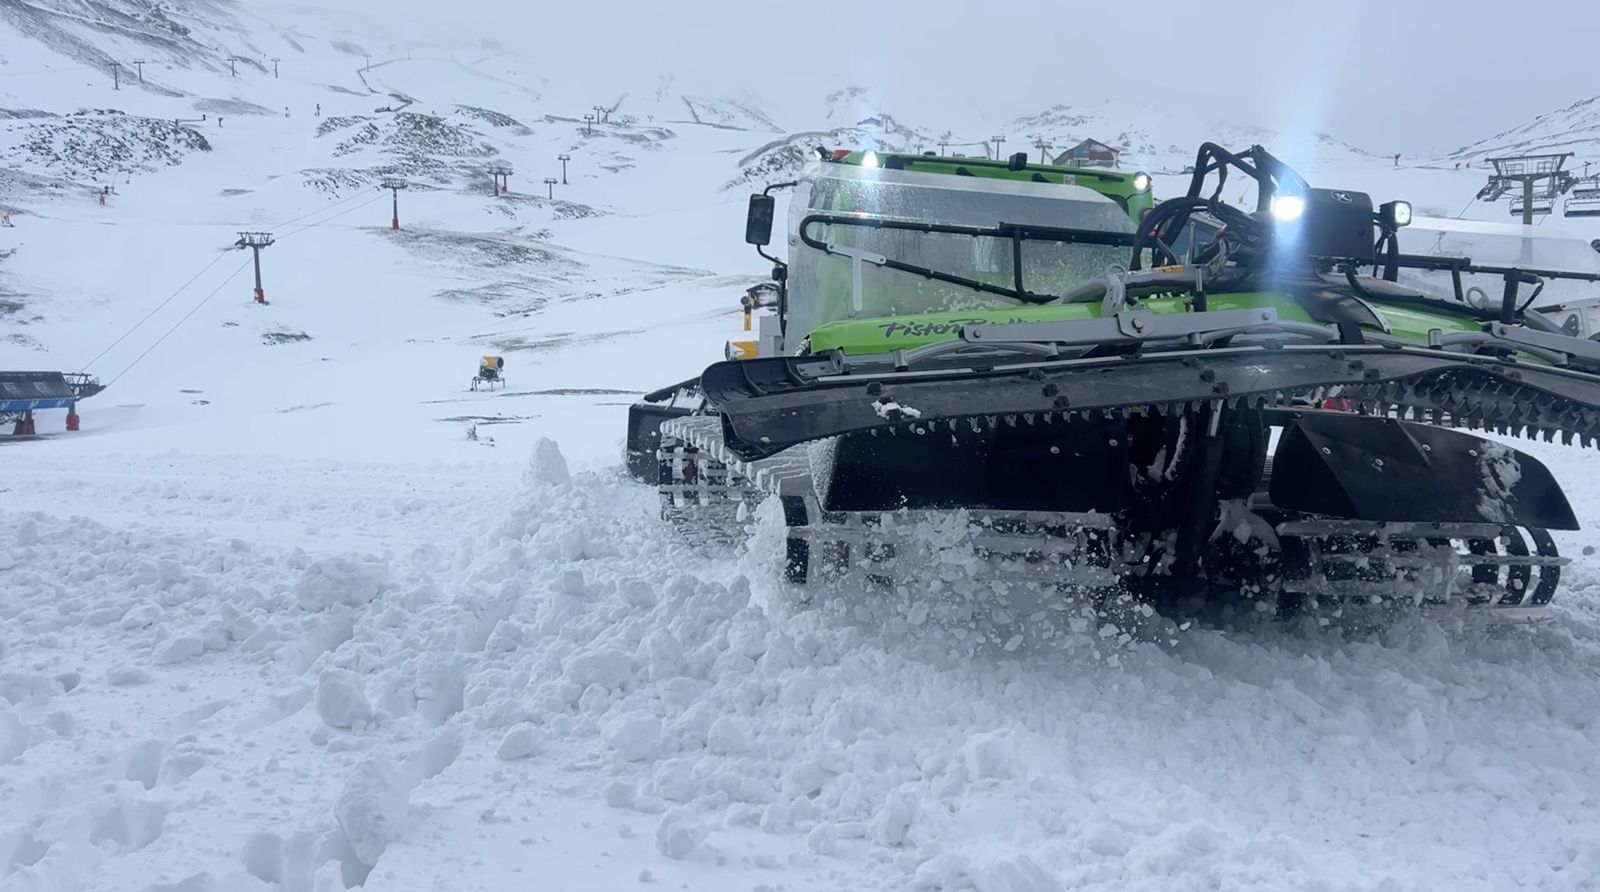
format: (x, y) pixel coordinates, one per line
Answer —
(298, 611)
(1575, 128)
(1155, 139)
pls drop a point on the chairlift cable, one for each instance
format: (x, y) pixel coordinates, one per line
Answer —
(218, 289)
(86, 366)
(294, 220)
(137, 325)
(176, 325)
(314, 225)
(203, 270)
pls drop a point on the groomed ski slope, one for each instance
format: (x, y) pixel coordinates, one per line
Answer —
(461, 679)
(272, 621)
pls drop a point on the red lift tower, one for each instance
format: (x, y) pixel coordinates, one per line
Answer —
(255, 241)
(394, 186)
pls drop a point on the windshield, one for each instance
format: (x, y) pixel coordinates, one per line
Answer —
(1504, 245)
(821, 283)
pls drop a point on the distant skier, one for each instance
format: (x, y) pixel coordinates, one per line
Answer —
(1396, 159)
(319, 109)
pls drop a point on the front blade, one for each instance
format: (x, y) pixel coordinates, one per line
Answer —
(768, 405)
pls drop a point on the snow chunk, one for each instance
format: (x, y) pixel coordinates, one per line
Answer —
(804, 779)
(889, 410)
(620, 794)
(609, 667)
(341, 700)
(635, 736)
(122, 676)
(178, 649)
(340, 580)
(990, 755)
(432, 758)
(519, 743)
(726, 737)
(639, 593)
(328, 878)
(372, 807)
(822, 840)
(890, 824)
(1014, 873)
(571, 583)
(1499, 469)
(140, 616)
(546, 466)
(679, 834)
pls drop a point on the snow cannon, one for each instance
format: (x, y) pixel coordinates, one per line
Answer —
(490, 373)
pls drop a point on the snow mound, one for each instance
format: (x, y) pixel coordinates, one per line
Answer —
(372, 807)
(341, 703)
(339, 580)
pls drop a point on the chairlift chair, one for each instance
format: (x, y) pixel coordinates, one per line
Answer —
(1584, 200)
(1541, 205)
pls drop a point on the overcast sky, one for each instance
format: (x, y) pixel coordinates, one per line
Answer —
(1416, 76)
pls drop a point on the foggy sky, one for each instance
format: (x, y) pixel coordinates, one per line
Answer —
(1414, 76)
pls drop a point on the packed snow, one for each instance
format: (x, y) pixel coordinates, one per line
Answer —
(297, 610)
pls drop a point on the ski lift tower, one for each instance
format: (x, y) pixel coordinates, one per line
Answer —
(501, 171)
(394, 185)
(1527, 171)
(255, 241)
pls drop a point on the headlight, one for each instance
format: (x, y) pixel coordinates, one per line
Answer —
(1141, 182)
(1288, 208)
(1396, 213)
(870, 159)
(821, 153)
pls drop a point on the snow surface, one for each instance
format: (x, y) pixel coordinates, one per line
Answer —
(296, 610)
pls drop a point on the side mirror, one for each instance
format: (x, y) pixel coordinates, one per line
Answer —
(758, 220)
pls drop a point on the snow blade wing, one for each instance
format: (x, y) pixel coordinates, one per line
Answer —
(1382, 469)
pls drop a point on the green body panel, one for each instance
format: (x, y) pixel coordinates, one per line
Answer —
(1416, 322)
(879, 331)
(1116, 185)
(884, 333)
(881, 334)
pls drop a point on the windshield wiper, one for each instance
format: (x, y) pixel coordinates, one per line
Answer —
(1014, 233)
